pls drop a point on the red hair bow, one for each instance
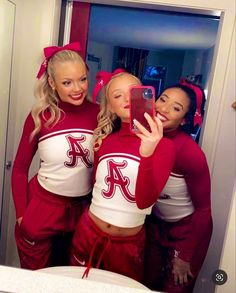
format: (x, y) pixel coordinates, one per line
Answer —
(199, 97)
(50, 51)
(102, 78)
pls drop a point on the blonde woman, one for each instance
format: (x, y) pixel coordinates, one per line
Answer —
(60, 126)
(111, 234)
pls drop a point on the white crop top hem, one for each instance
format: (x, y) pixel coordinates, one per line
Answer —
(172, 219)
(119, 218)
(60, 190)
(174, 202)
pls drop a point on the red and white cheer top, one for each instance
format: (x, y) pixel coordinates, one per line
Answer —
(117, 165)
(65, 151)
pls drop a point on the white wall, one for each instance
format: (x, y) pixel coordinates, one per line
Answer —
(206, 65)
(198, 62)
(36, 26)
(7, 18)
(192, 62)
(227, 262)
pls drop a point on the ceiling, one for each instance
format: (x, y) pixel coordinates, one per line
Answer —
(151, 29)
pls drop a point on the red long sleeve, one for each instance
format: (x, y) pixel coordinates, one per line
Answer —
(197, 177)
(24, 156)
(153, 173)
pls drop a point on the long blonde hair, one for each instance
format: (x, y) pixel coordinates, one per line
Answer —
(47, 98)
(107, 121)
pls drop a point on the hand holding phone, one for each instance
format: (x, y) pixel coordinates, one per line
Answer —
(149, 139)
(142, 99)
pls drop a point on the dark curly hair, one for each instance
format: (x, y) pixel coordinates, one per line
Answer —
(189, 127)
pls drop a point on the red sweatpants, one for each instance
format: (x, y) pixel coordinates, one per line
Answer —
(46, 216)
(93, 247)
(162, 238)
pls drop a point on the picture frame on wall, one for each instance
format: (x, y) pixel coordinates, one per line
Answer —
(155, 75)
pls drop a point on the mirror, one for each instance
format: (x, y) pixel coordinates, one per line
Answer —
(159, 47)
(175, 43)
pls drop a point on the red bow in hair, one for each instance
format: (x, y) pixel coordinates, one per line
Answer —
(102, 78)
(198, 93)
(50, 51)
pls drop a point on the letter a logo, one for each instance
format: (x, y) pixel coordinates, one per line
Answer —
(77, 152)
(115, 179)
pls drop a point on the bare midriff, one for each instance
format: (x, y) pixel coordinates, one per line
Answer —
(114, 230)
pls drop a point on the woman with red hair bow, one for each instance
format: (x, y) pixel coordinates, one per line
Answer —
(180, 226)
(60, 126)
(111, 234)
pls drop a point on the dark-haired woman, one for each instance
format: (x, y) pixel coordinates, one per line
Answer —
(180, 226)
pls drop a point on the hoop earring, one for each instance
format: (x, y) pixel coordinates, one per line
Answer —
(113, 116)
(183, 122)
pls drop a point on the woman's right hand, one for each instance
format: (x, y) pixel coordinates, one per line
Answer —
(149, 140)
(181, 271)
(19, 220)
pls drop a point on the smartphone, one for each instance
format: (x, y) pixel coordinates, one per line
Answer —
(142, 99)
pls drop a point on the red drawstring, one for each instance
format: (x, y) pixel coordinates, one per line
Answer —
(86, 272)
(103, 252)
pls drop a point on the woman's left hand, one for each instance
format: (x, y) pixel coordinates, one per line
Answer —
(149, 140)
(181, 271)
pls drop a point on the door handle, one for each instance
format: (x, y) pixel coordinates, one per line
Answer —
(8, 165)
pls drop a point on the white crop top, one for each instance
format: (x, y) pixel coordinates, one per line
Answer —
(174, 202)
(113, 194)
(66, 162)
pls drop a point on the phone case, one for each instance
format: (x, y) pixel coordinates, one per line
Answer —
(142, 99)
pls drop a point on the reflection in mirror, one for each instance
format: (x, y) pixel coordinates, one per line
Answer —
(184, 43)
(158, 49)
(157, 46)
(7, 17)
